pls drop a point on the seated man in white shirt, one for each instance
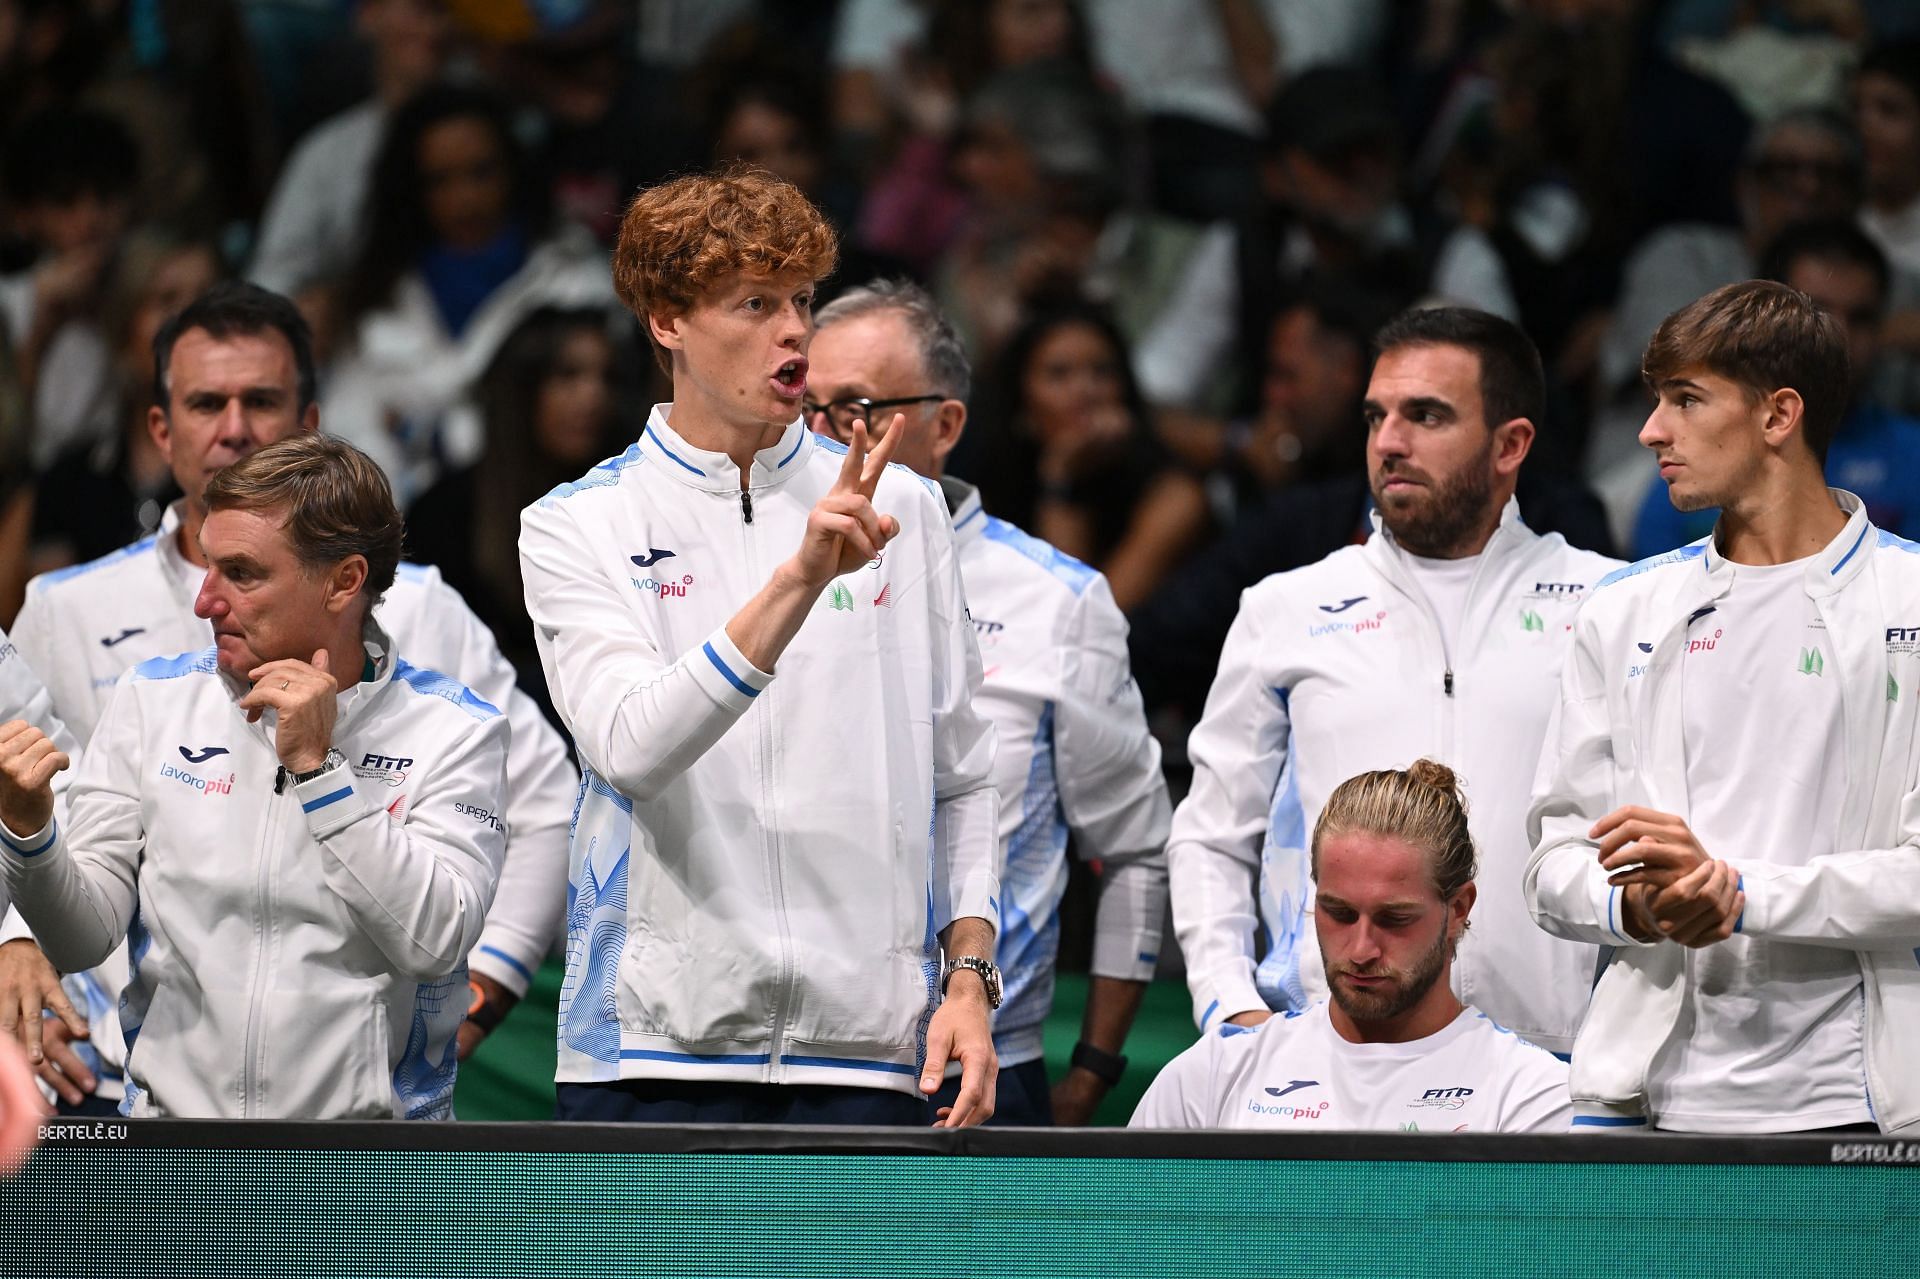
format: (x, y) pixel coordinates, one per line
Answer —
(1394, 1050)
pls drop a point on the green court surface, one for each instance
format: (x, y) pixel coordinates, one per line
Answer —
(511, 1076)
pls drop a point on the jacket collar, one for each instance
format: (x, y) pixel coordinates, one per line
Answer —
(182, 575)
(1510, 533)
(1838, 563)
(715, 472)
(963, 504)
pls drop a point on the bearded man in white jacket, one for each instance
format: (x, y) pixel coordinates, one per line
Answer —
(1729, 802)
(297, 932)
(1442, 636)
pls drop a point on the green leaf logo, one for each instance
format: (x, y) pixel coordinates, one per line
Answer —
(841, 598)
(1531, 621)
(1811, 663)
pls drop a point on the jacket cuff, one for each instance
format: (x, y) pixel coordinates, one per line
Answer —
(23, 849)
(1609, 903)
(1600, 1116)
(331, 801)
(726, 675)
(510, 970)
(1123, 956)
(976, 898)
(1225, 996)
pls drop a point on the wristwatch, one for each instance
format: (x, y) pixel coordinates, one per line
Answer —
(333, 759)
(988, 970)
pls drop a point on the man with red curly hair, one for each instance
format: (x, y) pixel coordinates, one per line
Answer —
(765, 871)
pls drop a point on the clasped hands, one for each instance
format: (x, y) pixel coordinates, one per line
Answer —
(1674, 890)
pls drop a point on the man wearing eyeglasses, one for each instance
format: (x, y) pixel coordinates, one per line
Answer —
(1074, 750)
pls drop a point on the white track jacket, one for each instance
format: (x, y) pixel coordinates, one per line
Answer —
(1338, 668)
(1073, 753)
(1617, 740)
(760, 865)
(298, 952)
(82, 627)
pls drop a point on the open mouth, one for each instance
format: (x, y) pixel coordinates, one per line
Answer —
(790, 379)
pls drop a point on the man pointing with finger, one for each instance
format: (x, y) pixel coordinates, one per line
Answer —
(297, 935)
(782, 903)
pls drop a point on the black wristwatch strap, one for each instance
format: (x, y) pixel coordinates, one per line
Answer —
(1107, 1066)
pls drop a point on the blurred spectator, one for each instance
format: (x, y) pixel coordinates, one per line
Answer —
(458, 248)
(312, 224)
(1332, 177)
(1875, 453)
(1805, 165)
(912, 66)
(1673, 140)
(1316, 361)
(914, 208)
(548, 406)
(776, 125)
(1791, 58)
(1067, 451)
(180, 76)
(1531, 185)
(100, 495)
(1044, 163)
(1886, 107)
(586, 101)
(69, 180)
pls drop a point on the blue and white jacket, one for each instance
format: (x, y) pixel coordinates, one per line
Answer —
(297, 951)
(1073, 754)
(85, 626)
(760, 865)
(1341, 667)
(1617, 740)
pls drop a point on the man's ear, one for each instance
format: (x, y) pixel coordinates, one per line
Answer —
(310, 419)
(666, 331)
(1786, 417)
(160, 431)
(346, 582)
(1460, 907)
(949, 424)
(1512, 441)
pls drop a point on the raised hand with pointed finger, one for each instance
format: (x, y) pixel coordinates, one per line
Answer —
(843, 529)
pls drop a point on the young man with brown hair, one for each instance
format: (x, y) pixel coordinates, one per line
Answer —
(297, 933)
(765, 869)
(1729, 800)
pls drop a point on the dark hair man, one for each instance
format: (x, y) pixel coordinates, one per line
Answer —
(1441, 636)
(297, 938)
(1875, 452)
(1756, 890)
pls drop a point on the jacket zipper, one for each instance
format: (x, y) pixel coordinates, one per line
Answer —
(776, 879)
(253, 1062)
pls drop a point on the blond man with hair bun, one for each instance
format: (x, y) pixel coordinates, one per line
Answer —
(1393, 1050)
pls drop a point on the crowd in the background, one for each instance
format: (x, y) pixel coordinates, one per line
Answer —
(1163, 228)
